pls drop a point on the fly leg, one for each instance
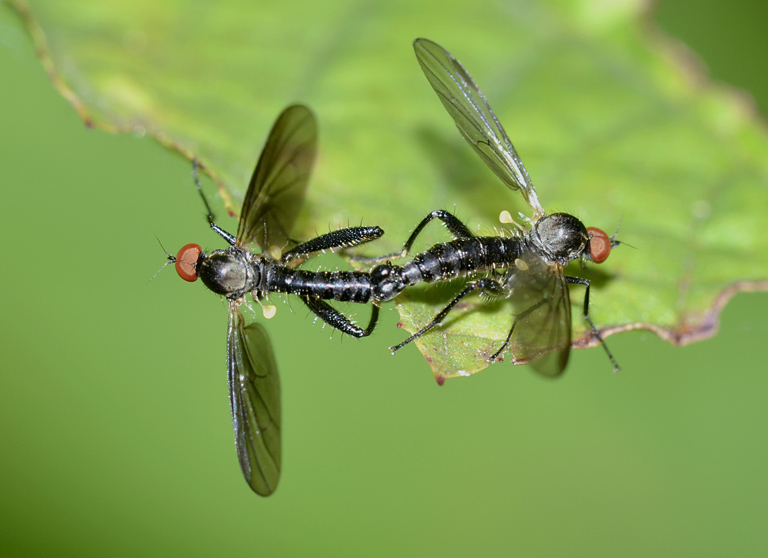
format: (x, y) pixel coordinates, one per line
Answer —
(339, 321)
(520, 316)
(209, 215)
(196, 178)
(458, 230)
(490, 286)
(579, 281)
(341, 238)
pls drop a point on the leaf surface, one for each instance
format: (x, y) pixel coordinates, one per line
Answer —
(613, 122)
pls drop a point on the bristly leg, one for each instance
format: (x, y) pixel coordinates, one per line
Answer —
(339, 321)
(352, 236)
(458, 230)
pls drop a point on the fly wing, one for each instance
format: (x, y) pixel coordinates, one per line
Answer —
(474, 117)
(254, 396)
(542, 334)
(279, 182)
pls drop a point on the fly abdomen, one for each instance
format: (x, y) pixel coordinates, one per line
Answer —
(460, 257)
(501, 251)
(344, 286)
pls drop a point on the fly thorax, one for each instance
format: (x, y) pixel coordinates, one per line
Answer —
(228, 272)
(560, 236)
(387, 281)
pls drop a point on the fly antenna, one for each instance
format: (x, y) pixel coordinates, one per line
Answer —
(615, 242)
(171, 258)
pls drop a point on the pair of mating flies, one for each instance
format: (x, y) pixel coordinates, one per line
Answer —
(527, 267)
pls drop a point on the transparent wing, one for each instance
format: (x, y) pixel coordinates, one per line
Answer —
(254, 396)
(542, 334)
(279, 182)
(474, 117)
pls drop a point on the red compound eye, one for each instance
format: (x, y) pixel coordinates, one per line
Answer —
(186, 262)
(599, 245)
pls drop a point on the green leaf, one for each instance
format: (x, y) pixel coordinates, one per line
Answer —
(614, 123)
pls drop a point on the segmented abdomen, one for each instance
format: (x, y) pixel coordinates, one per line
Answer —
(344, 286)
(460, 257)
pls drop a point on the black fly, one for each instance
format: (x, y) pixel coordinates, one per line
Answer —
(272, 202)
(528, 267)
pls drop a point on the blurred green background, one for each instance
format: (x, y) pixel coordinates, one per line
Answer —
(116, 436)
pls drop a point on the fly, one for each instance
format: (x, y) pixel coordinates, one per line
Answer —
(271, 204)
(528, 267)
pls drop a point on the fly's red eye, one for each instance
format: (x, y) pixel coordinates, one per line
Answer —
(186, 262)
(599, 245)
